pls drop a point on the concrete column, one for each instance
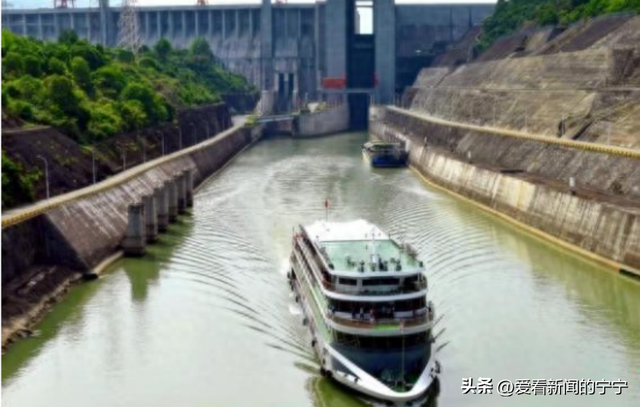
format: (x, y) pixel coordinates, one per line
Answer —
(56, 26)
(182, 193)
(197, 22)
(384, 16)
(162, 207)
(134, 240)
(266, 45)
(184, 24)
(171, 29)
(188, 179)
(210, 28)
(150, 218)
(237, 28)
(40, 28)
(88, 22)
(172, 192)
(224, 23)
(158, 24)
(147, 24)
(104, 22)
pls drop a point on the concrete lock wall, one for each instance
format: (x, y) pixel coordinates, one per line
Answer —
(93, 226)
(329, 121)
(603, 224)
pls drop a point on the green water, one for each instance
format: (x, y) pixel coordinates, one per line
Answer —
(207, 319)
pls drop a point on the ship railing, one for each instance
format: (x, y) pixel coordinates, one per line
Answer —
(369, 322)
(401, 289)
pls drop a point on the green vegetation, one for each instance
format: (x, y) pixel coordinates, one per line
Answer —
(512, 15)
(93, 93)
(17, 186)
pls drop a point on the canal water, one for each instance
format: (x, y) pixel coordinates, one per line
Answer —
(207, 319)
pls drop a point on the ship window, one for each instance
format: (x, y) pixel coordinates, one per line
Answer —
(380, 281)
(389, 342)
(348, 281)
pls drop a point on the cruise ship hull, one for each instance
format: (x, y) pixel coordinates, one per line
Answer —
(343, 369)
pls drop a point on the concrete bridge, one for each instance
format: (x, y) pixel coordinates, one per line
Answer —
(324, 50)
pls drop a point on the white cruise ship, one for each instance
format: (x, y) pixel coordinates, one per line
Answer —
(364, 296)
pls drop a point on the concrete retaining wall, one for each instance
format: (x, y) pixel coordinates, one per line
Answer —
(44, 253)
(324, 122)
(606, 225)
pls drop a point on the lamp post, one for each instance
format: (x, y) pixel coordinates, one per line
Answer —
(163, 147)
(93, 164)
(144, 148)
(46, 173)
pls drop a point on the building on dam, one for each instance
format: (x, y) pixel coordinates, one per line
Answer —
(341, 49)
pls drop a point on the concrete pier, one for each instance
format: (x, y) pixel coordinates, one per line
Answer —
(188, 179)
(172, 192)
(134, 241)
(150, 218)
(162, 207)
(182, 193)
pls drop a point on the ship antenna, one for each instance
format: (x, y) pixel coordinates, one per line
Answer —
(326, 210)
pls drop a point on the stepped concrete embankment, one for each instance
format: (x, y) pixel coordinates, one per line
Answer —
(50, 244)
(527, 181)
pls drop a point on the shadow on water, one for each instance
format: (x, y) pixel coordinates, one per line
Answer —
(144, 271)
(68, 314)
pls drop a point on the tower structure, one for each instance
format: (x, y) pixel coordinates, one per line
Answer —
(128, 27)
(64, 3)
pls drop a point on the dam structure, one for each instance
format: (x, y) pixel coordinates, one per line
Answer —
(338, 50)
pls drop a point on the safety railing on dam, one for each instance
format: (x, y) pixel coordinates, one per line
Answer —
(18, 215)
(582, 145)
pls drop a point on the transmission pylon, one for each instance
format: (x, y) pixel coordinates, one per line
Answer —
(64, 3)
(129, 34)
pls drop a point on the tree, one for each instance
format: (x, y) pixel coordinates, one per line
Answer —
(33, 66)
(12, 64)
(162, 49)
(133, 114)
(60, 92)
(126, 56)
(200, 53)
(111, 80)
(89, 53)
(82, 74)
(68, 37)
(56, 67)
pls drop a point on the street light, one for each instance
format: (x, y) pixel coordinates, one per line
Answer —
(46, 173)
(144, 148)
(194, 133)
(162, 135)
(93, 164)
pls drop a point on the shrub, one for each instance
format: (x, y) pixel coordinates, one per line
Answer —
(56, 67)
(82, 74)
(12, 64)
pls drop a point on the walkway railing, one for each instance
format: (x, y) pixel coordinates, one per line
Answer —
(582, 145)
(18, 215)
